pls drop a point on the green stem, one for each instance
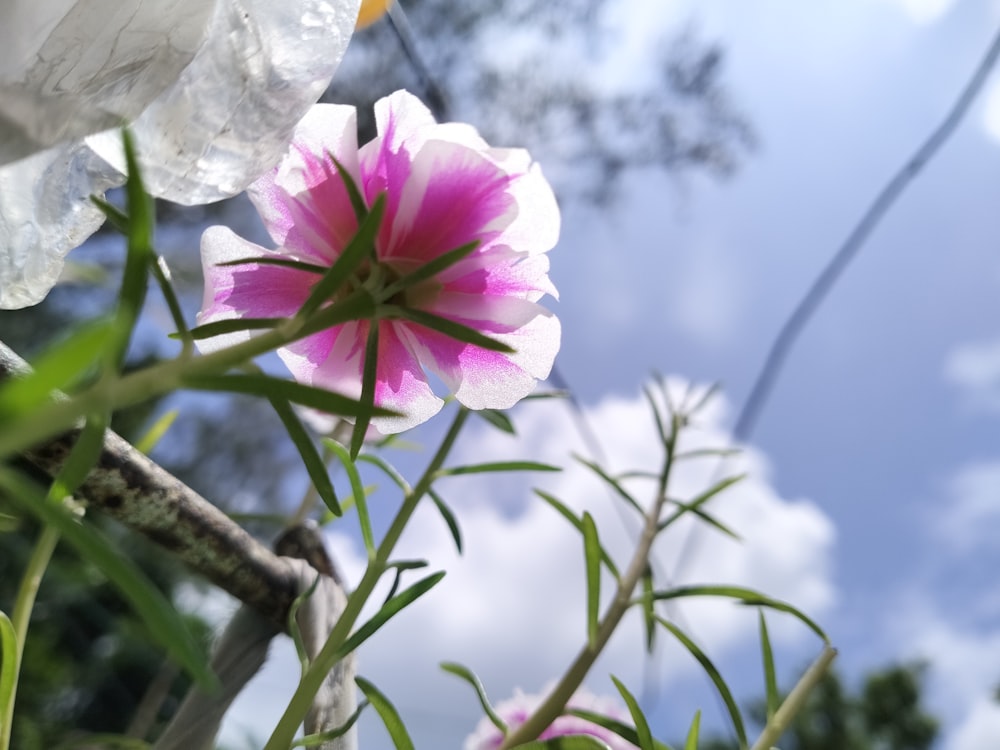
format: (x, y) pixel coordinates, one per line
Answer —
(23, 605)
(298, 707)
(61, 415)
(555, 702)
(785, 714)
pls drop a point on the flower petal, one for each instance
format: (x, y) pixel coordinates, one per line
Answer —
(303, 201)
(535, 228)
(251, 290)
(452, 196)
(500, 270)
(400, 382)
(483, 379)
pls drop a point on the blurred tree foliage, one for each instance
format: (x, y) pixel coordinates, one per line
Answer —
(885, 714)
(557, 77)
(89, 663)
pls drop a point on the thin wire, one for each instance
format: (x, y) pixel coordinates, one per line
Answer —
(433, 93)
(788, 335)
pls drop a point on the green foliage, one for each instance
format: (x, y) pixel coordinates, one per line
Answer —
(467, 674)
(388, 713)
(88, 659)
(886, 713)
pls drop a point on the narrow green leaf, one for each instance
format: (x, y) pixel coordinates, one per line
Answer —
(469, 676)
(744, 596)
(643, 734)
(388, 611)
(292, 623)
(276, 260)
(9, 668)
(705, 397)
(691, 743)
(357, 200)
(387, 469)
(311, 740)
(388, 713)
(498, 419)
(697, 502)
(357, 491)
(627, 733)
(430, 269)
(359, 305)
(135, 276)
(163, 621)
(661, 428)
(115, 216)
(9, 523)
(232, 325)
(566, 742)
(449, 518)
(368, 375)
(614, 483)
(398, 569)
(592, 557)
(720, 684)
(773, 697)
(566, 513)
(716, 488)
(81, 459)
(702, 515)
(311, 459)
(448, 327)
(548, 394)
(707, 453)
(648, 608)
(289, 390)
(359, 249)
(161, 273)
(497, 466)
(61, 367)
(155, 433)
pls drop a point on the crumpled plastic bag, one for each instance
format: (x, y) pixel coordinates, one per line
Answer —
(211, 90)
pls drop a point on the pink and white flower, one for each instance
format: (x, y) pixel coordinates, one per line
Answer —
(514, 711)
(444, 187)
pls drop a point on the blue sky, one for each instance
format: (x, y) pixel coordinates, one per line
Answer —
(875, 472)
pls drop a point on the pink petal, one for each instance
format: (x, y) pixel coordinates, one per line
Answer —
(452, 196)
(403, 121)
(251, 290)
(303, 202)
(400, 382)
(498, 270)
(535, 228)
(483, 379)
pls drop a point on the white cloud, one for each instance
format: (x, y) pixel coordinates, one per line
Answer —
(963, 671)
(980, 728)
(924, 12)
(975, 367)
(972, 517)
(512, 608)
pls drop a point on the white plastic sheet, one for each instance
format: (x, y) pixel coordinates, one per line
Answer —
(213, 91)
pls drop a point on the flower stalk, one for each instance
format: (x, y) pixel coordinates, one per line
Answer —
(298, 707)
(25, 602)
(554, 704)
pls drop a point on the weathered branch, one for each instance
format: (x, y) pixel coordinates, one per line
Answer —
(134, 490)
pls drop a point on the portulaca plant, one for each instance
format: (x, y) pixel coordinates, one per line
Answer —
(419, 256)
